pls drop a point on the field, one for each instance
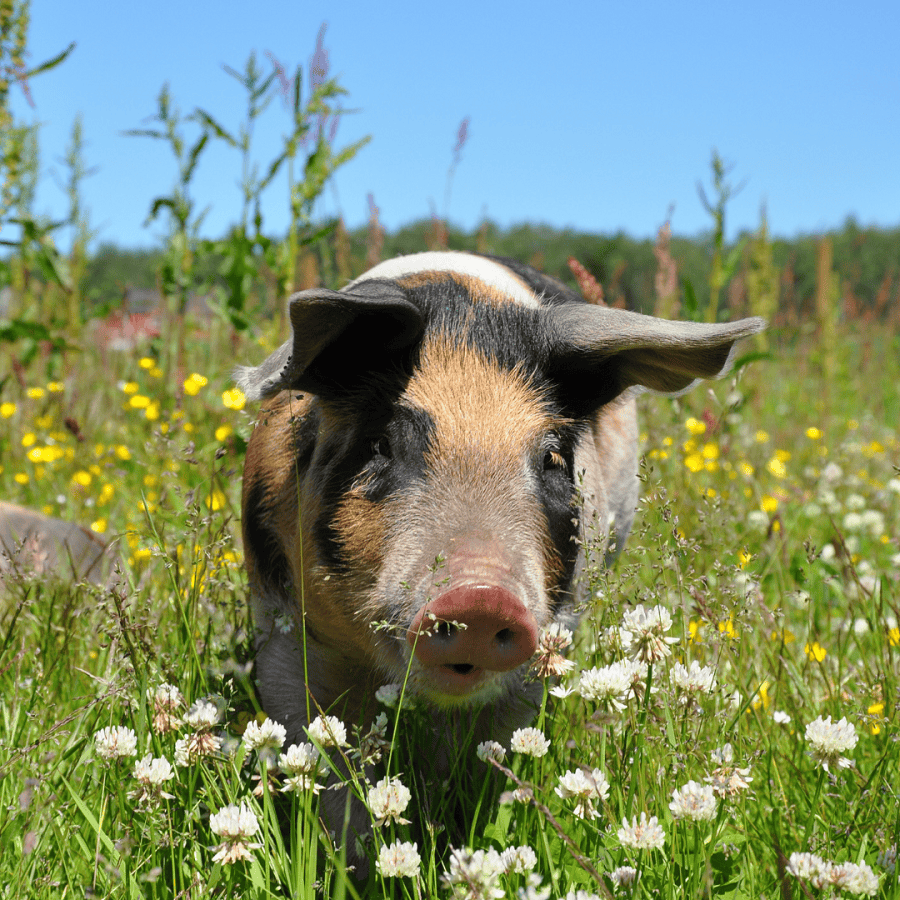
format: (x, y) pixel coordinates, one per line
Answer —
(760, 723)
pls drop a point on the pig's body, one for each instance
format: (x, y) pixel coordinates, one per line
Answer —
(442, 437)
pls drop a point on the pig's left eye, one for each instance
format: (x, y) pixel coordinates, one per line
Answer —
(554, 461)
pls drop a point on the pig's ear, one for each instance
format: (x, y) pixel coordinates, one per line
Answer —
(337, 336)
(598, 353)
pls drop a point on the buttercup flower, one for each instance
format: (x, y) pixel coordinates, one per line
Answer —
(829, 740)
(645, 834)
(235, 824)
(388, 799)
(115, 742)
(398, 860)
(529, 741)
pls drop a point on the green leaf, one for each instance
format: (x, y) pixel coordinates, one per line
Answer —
(691, 306)
(50, 63)
(209, 122)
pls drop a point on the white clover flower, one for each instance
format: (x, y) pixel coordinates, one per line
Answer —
(606, 684)
(809, 867)
(152, 774)
(647, 627)
(758, 520)
(584, 788)
(694, 801)
(518, 860)
(855, 878)
(387, 800)
(115, 742)
(235, 824)
(560, 691)
(201, 743)
(302, 764)
(549, 661)
(475, 874)
(894, 485)
(781, 718)
(167, 702)
(488, 750)
(696, 679)
(268, 735)
(203, 715)
(328, 731)
(534, 889)
(529, 741)
(727, 780)
(398, 860)
(645, 834)
(581, 895)
(888, 859)
(624, 876)
(829, 740)
(389, 695)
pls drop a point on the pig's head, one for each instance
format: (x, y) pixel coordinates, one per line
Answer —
(455, 424)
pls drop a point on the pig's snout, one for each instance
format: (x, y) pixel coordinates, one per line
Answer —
(471, 628)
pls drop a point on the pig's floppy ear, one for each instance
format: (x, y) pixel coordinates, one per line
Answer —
(598, 353)
(336, 336)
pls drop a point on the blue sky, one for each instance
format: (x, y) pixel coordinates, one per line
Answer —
(599, 116)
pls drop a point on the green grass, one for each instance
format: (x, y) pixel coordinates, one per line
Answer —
(768, 528)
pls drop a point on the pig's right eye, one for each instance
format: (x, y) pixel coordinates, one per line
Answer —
(381, 447)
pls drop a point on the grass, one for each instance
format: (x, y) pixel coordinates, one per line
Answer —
(768, 532)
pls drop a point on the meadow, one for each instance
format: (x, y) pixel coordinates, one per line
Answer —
(725, 723)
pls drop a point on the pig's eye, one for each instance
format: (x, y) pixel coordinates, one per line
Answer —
(554, 461)
(381, 447)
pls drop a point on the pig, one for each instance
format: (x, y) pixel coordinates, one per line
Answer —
(438, 442)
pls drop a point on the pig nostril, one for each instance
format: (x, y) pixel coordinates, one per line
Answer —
(504, 636)
(461, 668)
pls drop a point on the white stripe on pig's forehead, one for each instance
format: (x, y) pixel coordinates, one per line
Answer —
(493, 274)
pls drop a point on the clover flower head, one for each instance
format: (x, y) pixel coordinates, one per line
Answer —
(829, 740)
(518, 860)
(388, 800)
(115, 742)
(694, 801)
(606, 684)
(475, 874)
(302, 763)
(235, 824)
(398, 860)
(584, 788)
(647, 628)
(488, 750)
(643, 834)
(529, 742)
(167, 702)
(328, 731)
(549, 661)
(202, 715)
(694, 679)
(266, 735)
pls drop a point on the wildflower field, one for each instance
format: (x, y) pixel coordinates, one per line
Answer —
(724, 724)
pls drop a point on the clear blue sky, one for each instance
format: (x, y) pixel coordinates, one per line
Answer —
(599, 116)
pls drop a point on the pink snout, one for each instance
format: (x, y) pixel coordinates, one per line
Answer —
(472, 628)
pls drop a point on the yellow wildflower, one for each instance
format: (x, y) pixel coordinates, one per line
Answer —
(139, 401)
(813, 433)
(694, 462)
(762, 698)
(122, 452)
(223, 432)
(193, 383)
(744, 557)
(815, 651)
(695, 426)
(99, 526)
(34, 393)
(762, 437)
(776, 467)
(146, 362)
(55, 387)
(7, 410)
(876, 709)
(234, 398)
(82, 478)
(746, 469)
(130, 387)
(768, 503)
(29, 439)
